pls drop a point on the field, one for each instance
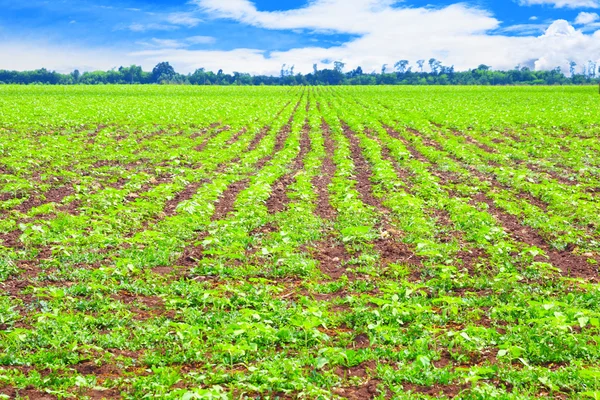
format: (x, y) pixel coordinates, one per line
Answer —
(325, 242)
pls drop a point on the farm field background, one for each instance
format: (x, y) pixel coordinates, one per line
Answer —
(260, 242)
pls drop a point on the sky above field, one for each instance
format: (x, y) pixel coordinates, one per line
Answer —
(259, 36)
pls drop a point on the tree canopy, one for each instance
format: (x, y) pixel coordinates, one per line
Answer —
(403, 74)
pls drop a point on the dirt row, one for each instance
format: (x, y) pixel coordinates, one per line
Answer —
(570, 264)
(279, 200)
(517, 163)
(470, 256)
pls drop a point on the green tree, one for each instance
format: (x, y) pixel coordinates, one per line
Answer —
(163, 72)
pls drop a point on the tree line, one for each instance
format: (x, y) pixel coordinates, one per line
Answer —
(401, 74)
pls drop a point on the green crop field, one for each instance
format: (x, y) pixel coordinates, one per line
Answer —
(296, 242)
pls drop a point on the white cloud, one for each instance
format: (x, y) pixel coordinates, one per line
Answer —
(30, 56)
(585, 18)
(457, 35)
(201, 40)
(563, 3)
(533, 18)
(524, 29)
(184, 19)
(352, 16)
(138, 27)
(162, 44)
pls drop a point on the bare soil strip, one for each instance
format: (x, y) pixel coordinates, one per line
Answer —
(536, 168)
(279, 200)
(391, 250)
(202, 132)
(321, 183)
(54, 195)
(187, 193)
(570, 264)
(362, 172)
(235, 137)
(329, 253)
(493, 181)
(207, 139)
(471, 256)
(258, 138)
(226, 201)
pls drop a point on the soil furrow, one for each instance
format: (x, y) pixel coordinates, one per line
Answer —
(362, 172)
(54, 195)
(186, 194)
(470, 256)
(536, 168)
(321, 183)
(570, 264)
(226, 201)
(390, 248)
(279, 200)
(202, 132)
(491, 180)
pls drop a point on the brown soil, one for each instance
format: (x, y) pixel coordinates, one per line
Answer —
(95, 394)
(362, 341)
(392, 251)
(570, 264)
(198, 134)
(321, 183)
(362, 171)
(187, 193)
(474, 142)
(367, 391)
(192, 254)
(435, 390)
(278, 200)
(560, 179)
(533, 167)
(27, 393)
(257, 139)
(208, 138)
(54, 195)
(279, 143)
(226, 201)
(332, 258)
(235, 137)
(11, 239)
(413, 152)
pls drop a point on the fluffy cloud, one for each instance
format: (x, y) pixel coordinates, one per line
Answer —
(165, 22)
(458, 35)
(384, 33)
(184, 19)
(563, 3)
(354, 16)
(138, 27)
(524, 29)
(163, 44)
(30, 56)
(585, 18)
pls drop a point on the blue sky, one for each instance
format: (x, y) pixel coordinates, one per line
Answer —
(259, 36)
